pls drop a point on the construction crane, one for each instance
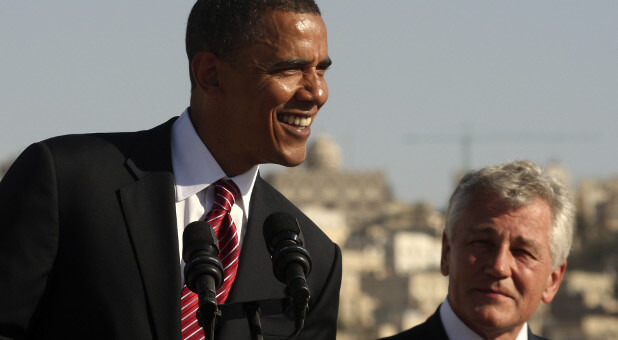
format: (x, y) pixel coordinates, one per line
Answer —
(466, 139)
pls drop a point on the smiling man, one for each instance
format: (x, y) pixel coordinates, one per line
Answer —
(92, 235)
(266, 94)
(507, 236)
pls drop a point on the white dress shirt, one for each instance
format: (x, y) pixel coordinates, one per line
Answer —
(457, 329)
(195, 169)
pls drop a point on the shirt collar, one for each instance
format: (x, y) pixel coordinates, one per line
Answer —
(194, 166)
(457, 329)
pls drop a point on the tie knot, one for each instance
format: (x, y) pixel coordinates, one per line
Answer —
(226, 193)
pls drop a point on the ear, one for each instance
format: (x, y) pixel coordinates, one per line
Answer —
(553, 283)
(204, 68)
(446, 250)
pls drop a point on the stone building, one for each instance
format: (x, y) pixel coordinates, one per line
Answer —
(584, 308)
(415, 252)
(320, 181)
(597, 206)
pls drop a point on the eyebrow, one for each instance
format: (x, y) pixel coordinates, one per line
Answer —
(325, 63)
(482, 229)
(301, 63)
(519, 240)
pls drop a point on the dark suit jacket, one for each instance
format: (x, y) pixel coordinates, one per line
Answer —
(88, 246)
(433, 329)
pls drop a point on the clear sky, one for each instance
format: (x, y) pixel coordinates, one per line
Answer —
(522, 79)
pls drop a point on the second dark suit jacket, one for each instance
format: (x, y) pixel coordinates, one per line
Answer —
(89, 246)
(434, 329)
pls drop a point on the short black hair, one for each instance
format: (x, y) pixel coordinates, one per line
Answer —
(226, 26)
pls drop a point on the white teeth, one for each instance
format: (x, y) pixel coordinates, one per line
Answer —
(301, 122)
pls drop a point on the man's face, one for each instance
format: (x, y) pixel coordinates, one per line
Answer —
(272, 90)
(499, 264)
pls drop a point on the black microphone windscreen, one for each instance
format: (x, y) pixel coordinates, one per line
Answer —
(279, 222)
(197, 236)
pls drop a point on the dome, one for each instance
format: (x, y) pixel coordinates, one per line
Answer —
(324, 153)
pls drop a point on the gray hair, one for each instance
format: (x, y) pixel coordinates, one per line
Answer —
(517, 183)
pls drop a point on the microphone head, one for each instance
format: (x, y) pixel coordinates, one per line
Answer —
(199, 236)
(281, 226)
(285, 244)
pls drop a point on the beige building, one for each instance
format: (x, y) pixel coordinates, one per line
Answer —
(320, 181)
(415, 252)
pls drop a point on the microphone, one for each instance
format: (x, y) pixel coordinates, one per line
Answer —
(291, 261)
(203, 271)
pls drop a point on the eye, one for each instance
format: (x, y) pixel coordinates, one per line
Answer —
(322, 69)
(284, 69)
(288, 71)
(522, 252)
(481, 243)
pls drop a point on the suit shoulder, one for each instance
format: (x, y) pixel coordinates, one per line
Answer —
(432, 328)
(122, 142)
(308, 227)
(110, 148)
(416, 332)
(532, 336)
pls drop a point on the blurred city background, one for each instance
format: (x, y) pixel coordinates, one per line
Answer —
(391, 249)
(420, 91)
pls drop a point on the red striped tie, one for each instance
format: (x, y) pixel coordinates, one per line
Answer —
(223, 225)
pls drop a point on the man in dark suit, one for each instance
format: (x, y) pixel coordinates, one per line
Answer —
(91, 231)
(507, 236)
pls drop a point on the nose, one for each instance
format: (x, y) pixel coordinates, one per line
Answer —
(313, 89)
(499, 263)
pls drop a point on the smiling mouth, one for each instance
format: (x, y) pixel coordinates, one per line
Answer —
(296, 121)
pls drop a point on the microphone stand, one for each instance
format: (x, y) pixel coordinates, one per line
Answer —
(208, 310)
(252, 310)
(298, 291)
(293, 307)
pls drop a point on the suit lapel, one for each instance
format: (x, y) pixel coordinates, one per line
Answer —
(531, 335)
(255, 279)
(149, 209)
(434, 326)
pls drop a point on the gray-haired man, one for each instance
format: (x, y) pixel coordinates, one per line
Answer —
(508, 233)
